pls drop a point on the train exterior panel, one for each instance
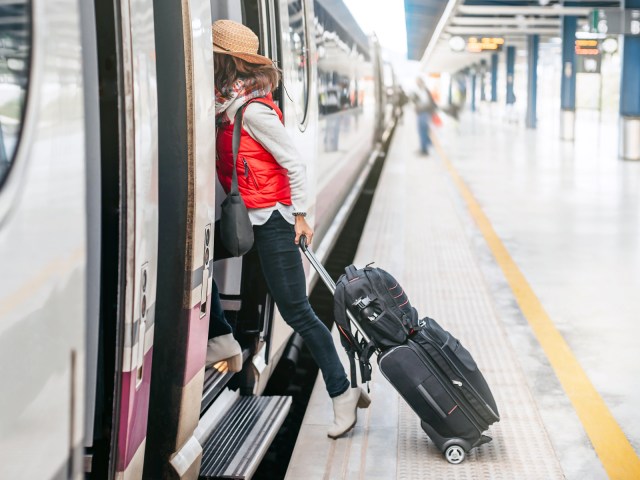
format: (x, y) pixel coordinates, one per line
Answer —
(141, 199)
(42, 240)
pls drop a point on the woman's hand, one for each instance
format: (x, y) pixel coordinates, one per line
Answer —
(302, 228)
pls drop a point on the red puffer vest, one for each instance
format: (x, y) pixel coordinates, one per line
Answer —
(261, 180)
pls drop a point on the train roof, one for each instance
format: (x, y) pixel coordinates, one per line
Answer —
(342, 16)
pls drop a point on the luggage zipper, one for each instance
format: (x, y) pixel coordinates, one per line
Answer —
(466, 409)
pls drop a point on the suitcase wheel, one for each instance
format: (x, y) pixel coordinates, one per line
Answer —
(454, 454)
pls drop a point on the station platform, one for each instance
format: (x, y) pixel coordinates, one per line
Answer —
(526, 249)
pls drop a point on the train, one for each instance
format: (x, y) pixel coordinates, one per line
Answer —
(108, 207)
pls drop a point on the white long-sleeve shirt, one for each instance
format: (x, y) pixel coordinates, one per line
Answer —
(264, 126)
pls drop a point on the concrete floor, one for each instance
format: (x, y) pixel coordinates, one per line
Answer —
(569, 215)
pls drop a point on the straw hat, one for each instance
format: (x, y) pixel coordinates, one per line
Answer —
(232, 38)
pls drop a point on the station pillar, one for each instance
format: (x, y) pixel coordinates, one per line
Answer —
(494, 77)
(473, 89)
(533, 42)
(630, 95)
(483, 74)
(568, 84)
(511, 69)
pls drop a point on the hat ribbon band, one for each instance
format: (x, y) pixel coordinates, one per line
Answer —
(223, 48)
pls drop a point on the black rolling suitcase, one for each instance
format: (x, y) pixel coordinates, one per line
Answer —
(441, 382)
(427, 365)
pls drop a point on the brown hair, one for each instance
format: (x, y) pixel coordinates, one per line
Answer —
(229, 68)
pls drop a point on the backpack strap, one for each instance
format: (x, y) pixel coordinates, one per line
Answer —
(340, 313)
(351, 271)
(349, 342)
(365, 365)
(353, 345)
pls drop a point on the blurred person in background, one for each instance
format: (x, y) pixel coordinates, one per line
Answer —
(425, 107)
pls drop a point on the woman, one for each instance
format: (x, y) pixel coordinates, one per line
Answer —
(272, 181)
(425, 108)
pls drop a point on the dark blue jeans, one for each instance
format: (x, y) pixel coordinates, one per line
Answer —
(218, 324)
(423, 130)
(283, 272)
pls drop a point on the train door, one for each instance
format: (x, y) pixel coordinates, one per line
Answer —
(129, 231)
(42, 239)
(237, 424)
(187, 171)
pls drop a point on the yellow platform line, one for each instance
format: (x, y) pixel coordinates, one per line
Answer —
(609, 441)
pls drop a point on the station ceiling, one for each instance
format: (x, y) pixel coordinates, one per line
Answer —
(421, 18)
(431, 23)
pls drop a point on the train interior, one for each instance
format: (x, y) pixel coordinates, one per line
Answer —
(237, 423)
(243, 293)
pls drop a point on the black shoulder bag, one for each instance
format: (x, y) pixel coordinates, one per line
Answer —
(236, 231)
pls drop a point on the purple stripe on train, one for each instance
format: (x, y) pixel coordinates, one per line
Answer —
(134, 409)
(196, 342)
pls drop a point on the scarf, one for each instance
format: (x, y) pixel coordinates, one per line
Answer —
(230, 98)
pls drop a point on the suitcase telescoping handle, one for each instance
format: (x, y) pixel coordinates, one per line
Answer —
(327, 280)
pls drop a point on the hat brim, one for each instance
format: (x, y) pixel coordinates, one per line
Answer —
(247, 57)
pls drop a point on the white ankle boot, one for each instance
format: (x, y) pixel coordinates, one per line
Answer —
(225, 347)
(344, 410)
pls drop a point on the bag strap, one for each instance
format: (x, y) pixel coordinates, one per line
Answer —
(353, 344)
(365, 364)
(349, 342)
(340, 316)
(237, 133)
(351, 272)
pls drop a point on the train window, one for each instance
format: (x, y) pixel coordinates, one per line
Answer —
(246, 12)
(15, 49)
(226, 9)
(342, 65)
(297, 82)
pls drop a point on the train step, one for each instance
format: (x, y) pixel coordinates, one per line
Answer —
(242, 436)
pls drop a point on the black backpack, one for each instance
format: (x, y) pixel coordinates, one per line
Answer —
(382, 309)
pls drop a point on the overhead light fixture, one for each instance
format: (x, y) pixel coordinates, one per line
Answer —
(610, 45)
(589, 35)
(457, 43)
